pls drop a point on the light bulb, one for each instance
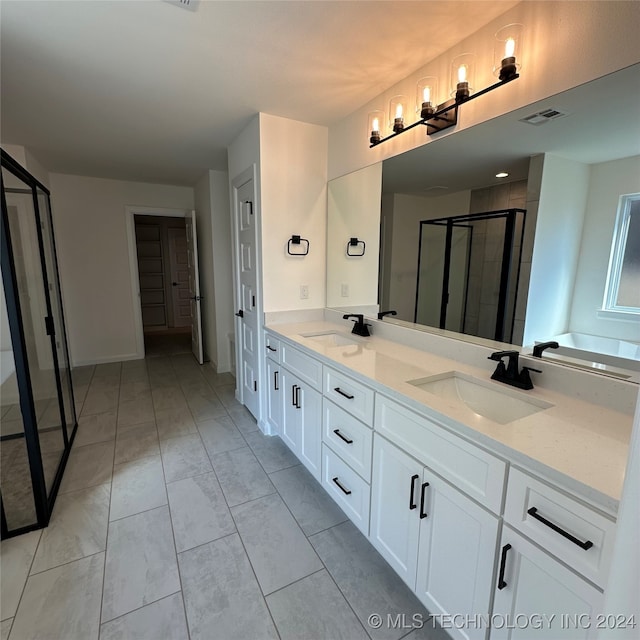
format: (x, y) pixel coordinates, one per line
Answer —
(399, 110)
(376, 125)
(426, 94)
(462, 73)
(509, 48)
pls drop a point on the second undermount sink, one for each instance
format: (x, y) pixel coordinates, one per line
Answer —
(482, 397)
(331, 338)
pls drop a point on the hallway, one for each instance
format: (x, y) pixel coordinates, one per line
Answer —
(178, 519)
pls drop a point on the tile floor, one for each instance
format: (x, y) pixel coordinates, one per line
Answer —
(178, 519)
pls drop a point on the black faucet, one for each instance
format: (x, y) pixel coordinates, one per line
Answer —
(539, 348)
(359, 328)
(511, 374)
(382, 314)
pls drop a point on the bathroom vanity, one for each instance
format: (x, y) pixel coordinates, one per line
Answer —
(494, 505)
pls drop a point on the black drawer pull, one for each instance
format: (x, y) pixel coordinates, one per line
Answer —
(298, 401)
(503, 565)
(293, 394)
(345, 491)
(271, 348)
(422, 496)
(342, 393)
(275, 381)
(337, 432)
(533, 512)
(412, 504)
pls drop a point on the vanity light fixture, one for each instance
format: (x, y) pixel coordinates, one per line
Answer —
(374, 124)
(397, 113)
(427, 96)
(463, 71)
(508, 44)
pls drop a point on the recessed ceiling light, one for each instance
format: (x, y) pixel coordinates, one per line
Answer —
(502, 174)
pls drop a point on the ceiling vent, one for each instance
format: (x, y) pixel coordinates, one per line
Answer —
(544, 116)
(185, 4)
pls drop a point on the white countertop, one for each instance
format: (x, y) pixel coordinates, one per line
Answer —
(581, 446)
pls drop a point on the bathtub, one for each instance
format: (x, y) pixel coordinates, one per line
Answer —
(617, 353)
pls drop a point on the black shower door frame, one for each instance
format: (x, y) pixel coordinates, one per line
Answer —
(43, 503)
(505, 273)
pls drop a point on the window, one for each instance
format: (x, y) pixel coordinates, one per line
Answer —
(622, 292)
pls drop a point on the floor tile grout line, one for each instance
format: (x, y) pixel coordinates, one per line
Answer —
(106, 541)
(147, 604)
(173, 533)
(68, 562)
(24, 586)
(286, 586)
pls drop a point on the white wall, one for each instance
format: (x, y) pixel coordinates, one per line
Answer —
(408, 211)
(293, 170)
(216, 275)
(353, 210)
(608, 181)
(567, 44)
(560, 217)
(90, 226)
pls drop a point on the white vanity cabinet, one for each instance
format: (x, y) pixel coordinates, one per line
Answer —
(347, 436)
(274, 384)
(439, 541)
(301, 402)
(533, 589)
(573, 543)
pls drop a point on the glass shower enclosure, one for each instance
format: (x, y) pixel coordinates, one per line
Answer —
(38, 418)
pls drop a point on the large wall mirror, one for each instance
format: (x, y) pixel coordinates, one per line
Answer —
(520, 259)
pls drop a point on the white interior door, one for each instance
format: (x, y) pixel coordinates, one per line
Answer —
(179, 265)
(194, 287)
(247, 324)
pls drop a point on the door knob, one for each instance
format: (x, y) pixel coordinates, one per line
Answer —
(175, 284)
(240, 314)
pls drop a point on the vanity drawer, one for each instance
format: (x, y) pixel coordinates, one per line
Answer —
(352, 396)
(348, 437)
(272, 347)
(467, 467)
(530, 501)
(306, 368)
(347, 488)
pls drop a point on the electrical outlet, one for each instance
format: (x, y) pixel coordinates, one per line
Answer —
(344, 290)
(304, 291)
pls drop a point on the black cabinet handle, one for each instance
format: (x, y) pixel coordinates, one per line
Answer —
(298, 402)
(533, 512)
(275, 381)
(337, 432)
(342, 393)
(345, 491)
(503, 565)
(412, 504)
(423, 492)
(271, 348)
(293, 394)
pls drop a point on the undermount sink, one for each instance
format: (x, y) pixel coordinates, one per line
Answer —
(331, 338)
(482, 397)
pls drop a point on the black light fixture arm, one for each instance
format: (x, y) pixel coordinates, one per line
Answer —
(447, 114)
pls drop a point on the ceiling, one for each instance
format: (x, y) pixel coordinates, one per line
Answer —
(150, 91)
(601, 124)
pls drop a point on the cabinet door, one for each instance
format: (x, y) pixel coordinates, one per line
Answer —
(456, 553)
(310, 425)
(290, 413)
(274, 396)
(536, 586)
(395, 496)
